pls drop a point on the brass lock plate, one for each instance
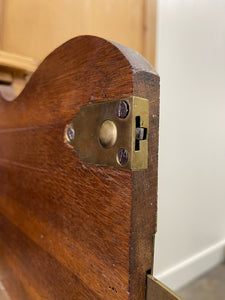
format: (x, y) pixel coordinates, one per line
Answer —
(156, 290)
(113, 133)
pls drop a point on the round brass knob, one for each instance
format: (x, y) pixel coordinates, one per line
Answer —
(108, 134)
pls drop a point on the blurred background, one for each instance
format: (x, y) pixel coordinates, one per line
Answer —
(185, 42)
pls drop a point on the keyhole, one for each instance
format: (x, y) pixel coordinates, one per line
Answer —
(141, 133)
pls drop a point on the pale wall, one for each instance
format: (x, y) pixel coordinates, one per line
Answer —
(191, 63)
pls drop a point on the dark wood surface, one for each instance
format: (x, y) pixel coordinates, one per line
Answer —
(70, 230)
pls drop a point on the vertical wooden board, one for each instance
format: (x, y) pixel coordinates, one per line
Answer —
(150, 30)
(145, 182)
(1, 21)
(34, 28)
(91, 223)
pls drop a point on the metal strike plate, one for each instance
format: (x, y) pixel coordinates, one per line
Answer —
(156, 290)
(113, 133)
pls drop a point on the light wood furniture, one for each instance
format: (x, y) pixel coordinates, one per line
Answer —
(34, 28)
(15, 71)
(30, 30)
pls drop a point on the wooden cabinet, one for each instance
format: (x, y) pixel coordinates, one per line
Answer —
(34, 28)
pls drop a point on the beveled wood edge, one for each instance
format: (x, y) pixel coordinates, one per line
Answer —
(137, 62)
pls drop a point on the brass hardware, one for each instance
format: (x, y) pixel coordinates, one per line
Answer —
(113, 133)
(158, 291)
(108, 134)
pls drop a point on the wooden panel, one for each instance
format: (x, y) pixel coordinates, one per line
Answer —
(10, 283)
(71, 230)
(42, 276)
(34, 28)
(149, 32)
(1, 21)
(49, 23)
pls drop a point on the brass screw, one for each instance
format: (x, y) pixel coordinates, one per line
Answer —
(122, 110)
(122, 156)
(70, 134)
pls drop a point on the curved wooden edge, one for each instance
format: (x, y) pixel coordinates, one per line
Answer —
(137, 62)
(53, 97)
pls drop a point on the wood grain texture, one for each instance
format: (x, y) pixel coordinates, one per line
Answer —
(1, 21)
(149, 30)
(35, 28)
(71, 230)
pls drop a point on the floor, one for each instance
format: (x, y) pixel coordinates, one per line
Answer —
(210, 286)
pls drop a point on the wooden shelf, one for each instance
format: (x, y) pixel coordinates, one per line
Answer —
(14, 61)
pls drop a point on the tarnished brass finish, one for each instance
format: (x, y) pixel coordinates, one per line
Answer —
(100, 133)
(158, 291)
(108, 134)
